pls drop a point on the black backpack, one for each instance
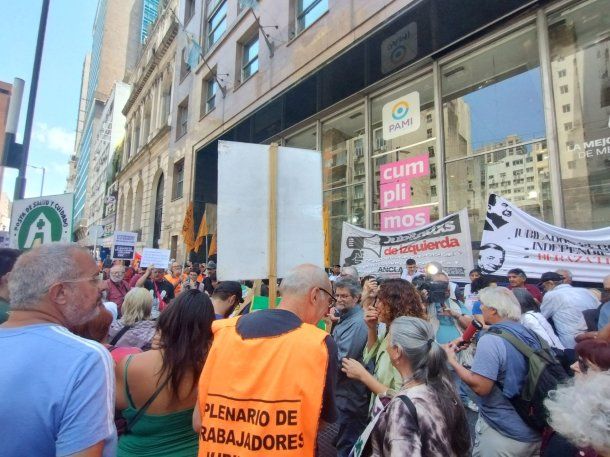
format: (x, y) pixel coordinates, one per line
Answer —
(544, 374)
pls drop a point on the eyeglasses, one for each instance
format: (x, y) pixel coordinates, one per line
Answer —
(333, 300)
(583, 365)
(95, 280)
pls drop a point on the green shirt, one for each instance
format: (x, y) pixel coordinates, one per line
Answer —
(385, 372)
(4, 309)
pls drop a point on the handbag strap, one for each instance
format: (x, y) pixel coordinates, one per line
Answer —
(118, 336)
(411, 407)
(143, 409)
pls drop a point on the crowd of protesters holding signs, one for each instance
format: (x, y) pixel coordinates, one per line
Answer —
(168, 361)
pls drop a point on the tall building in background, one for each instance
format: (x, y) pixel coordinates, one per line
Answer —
(150, 9)
(117, 30)
(80, 122)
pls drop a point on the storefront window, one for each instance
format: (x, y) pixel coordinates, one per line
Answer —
(580, 69)
(404, 158)
(495, 140)
(304, 140)
(343, 159)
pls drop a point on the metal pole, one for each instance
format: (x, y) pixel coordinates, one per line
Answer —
(42, 182)
(20, 181)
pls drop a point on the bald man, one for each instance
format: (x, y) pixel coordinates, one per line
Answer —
(289, 382)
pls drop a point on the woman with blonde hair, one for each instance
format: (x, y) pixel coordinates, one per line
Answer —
(135, 328)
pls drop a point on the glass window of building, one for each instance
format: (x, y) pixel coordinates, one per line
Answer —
(404, 164)
(211, 88)
(217, 22)
(580, 60)
(343, 160)
(308, 11)
(493, 119)
(307, 139)
(249, 61)
(183, 116)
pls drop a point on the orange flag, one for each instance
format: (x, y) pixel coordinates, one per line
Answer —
(201, 233)
(188, 228)
(213, 247)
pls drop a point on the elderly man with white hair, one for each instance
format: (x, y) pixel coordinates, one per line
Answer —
(57, 389)
(500, 429)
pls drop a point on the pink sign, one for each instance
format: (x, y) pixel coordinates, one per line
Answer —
(413, 167)
(399, 221)
(395, 194)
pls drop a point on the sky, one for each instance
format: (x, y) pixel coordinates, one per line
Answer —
(67, 41)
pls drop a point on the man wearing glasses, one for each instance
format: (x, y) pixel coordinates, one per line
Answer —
(161, 289)
(57, 389)
(282, 370)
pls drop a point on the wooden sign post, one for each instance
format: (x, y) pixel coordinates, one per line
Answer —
(272, 247)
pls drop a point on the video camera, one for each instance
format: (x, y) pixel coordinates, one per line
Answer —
(437, 290)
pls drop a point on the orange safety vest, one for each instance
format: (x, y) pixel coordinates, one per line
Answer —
(262, 396)
(176, 282)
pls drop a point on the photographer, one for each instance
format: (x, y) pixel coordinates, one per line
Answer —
(448, 317)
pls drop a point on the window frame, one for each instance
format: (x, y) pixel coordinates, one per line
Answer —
(189, 10)
(178, 180)
(301, 13)
(244, 53)
(210, 31)
(210, 83)
(182, 124)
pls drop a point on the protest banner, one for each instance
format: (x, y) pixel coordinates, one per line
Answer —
(124, 245)
(247, 221)
(41, 220)
(513, 239)
(157, 257)
(446, 241)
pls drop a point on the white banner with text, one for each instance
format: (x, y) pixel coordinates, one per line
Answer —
(514, 239)
(446, 241)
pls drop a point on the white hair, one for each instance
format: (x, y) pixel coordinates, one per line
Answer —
(300, 280)
(580, 411)
(37, 270)
(351, 272)
(567, 274)
(503, 301)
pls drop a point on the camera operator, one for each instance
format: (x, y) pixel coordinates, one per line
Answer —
(447, 316)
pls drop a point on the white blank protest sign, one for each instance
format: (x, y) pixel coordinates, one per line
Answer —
(157, 257)
(243, 210)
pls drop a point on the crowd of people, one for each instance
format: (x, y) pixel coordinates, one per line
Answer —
(105, 360)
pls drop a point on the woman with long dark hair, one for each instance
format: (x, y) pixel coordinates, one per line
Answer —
(395, 298)
(157, 389)
(425, 417)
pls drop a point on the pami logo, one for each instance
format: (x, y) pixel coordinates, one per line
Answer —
(401, 116)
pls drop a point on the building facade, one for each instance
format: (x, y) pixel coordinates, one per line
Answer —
(107, 143)
(463, 99)
(116, 42)
(142, 184)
